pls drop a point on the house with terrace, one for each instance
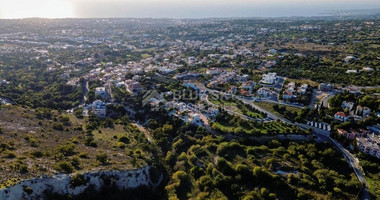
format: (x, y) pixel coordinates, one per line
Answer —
(101, 92)
(249, 85)
(348, 104)
(369, 145)
(133, 87)
(363, 111)
(264, 92)
(340, 116)
(352, 133)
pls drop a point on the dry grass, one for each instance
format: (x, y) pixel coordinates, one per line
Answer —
(24, 134)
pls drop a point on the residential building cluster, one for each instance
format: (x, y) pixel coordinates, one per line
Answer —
(369, 145)
(269, 78)
(358, 114)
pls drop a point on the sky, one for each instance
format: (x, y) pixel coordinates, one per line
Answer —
(175, 8)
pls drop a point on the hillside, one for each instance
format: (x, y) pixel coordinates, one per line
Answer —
(35, 143)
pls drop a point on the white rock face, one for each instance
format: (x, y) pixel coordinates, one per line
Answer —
(61, 183)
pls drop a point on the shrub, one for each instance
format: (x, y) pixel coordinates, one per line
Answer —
(196, 171)
(102, 157)
(36, 154)
(64, 166)
(108, 123)
(124, 139)
(75, 140)
(28, 190)
(79, 113)
(33, 142)
(78, 180)
(23, 169)
(138, 153)
(9, 154)
(65, 120)
(20, 166)
(205, 183)
(78, 128)
(75, 161)
(121, 145)
(90, 141)
(58, 126)
(243, 170)
(83, 155)
(224, 166)
(67, 149)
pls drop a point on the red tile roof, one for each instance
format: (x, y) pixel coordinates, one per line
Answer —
(341, 114)
(341, 131)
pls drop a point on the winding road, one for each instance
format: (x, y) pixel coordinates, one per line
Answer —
(325, 100)
(322, 134)
(245, 117)
(85, 91)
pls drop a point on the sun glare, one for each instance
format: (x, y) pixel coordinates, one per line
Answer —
(35, 8)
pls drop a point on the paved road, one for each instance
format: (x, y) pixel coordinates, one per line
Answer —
(281, 137)
(354, 163)
(364, 87)
(85, 91)
(282, 103)
(270, 114)
(245, 117)
(250, 102)
(209, 129)
(314, 100)
(109, 90)
(325, 100)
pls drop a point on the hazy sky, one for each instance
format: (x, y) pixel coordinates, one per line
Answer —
(176, 8)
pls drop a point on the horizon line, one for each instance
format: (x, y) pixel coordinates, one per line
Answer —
(199, 18)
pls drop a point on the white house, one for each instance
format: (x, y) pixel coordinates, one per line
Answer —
(264, 92)
(213, 71)
(249, 85)
(363, 111)
(4, 82)
(367, 69)
(348, 104)
(352, 71)
(211, 112)
(196, 118)
(101, 91)
(120, 84)
(272, 51)
(133, 87)
(303, 88)
(269, 78)
(189, 84)
(287, 95)
(369, 145)
(99, 108)
(138, 71)
(326, 87)
(349, 59)
(340, 116)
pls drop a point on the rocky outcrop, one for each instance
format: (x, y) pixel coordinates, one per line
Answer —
(65, 184)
